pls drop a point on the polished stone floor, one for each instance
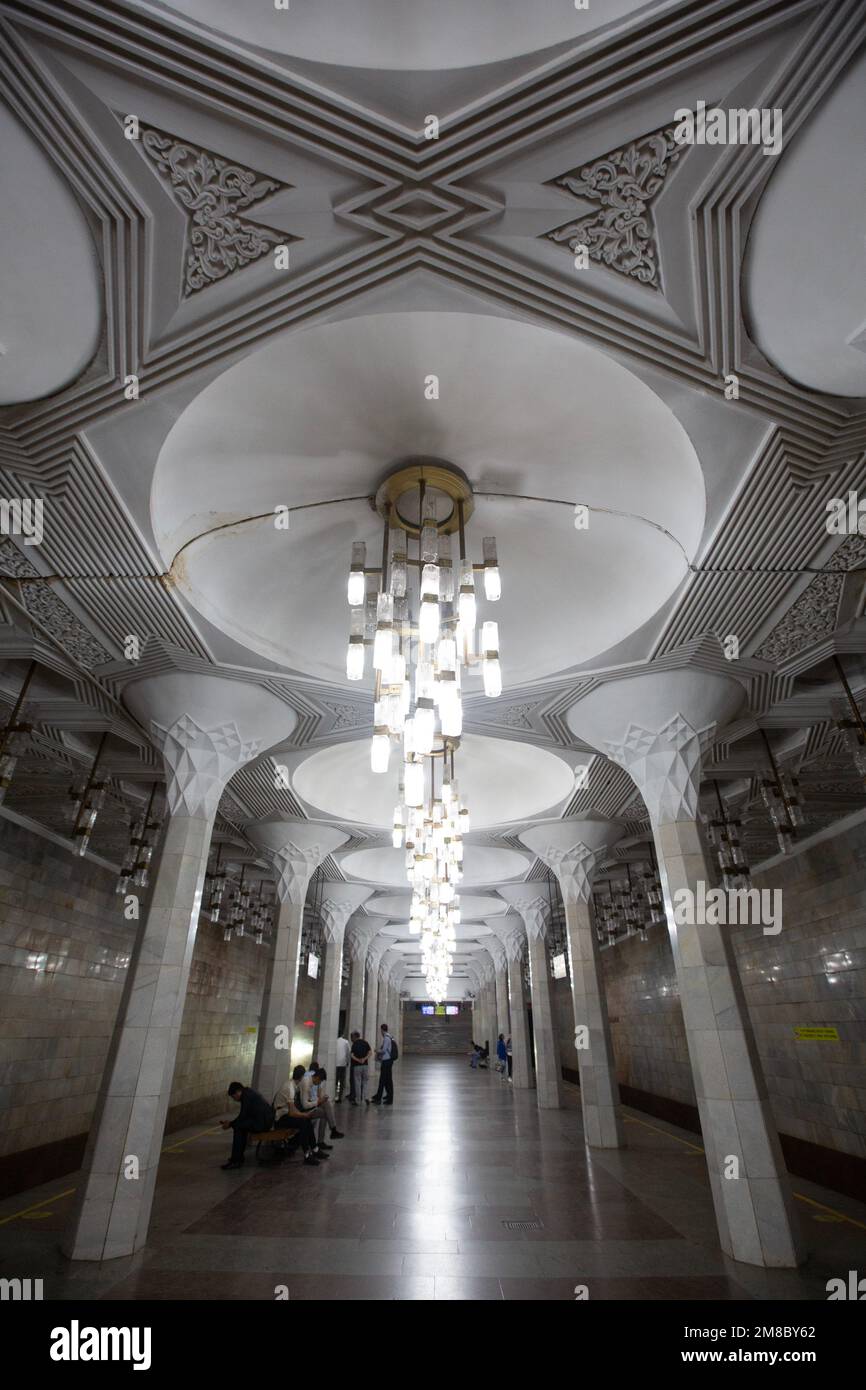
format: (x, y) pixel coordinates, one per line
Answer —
(416, 1201)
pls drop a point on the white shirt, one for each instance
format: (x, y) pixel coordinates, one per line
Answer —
(343, 1052)
(386, 1047)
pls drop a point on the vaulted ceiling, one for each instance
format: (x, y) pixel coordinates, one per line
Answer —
(427, 172)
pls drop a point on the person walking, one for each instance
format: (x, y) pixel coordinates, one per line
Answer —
(344, 1052)
(501, 1055)
(361, 1054)
(508, 1056)
(387, 1056)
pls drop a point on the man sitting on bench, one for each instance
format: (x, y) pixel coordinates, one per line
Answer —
(254, 1115)
(303, 1096)
(290, 1115)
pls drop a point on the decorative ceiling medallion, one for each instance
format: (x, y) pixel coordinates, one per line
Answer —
(813, 615)
(624, 184)
(49, 611)
(348, 716)
(213, 191)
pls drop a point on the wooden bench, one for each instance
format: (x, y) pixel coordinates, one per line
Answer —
(289, 1137)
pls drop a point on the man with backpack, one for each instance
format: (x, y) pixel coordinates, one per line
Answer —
(386, 1056)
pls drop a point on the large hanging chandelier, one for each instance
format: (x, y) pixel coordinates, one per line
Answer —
(421, 622)
(434, 830)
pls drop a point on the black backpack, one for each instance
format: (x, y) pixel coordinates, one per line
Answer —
(395, 1051)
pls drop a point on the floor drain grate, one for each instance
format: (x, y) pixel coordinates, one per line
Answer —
(523, 1225)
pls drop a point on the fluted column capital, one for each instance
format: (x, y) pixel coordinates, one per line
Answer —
(665, 765)
(375, 951)
(339, 901)
(495, 949)
(358, 940)
(533, 907)
(513, 938)
(387, 961)
(295, 867)
(200, 761)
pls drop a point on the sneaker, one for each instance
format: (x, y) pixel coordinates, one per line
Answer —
(321, 1157)
(387, 1102)
(375, 1101)
(311, 1161)
(337, 1134)
(226, 1166)
(339, 1100)
(326, 1148)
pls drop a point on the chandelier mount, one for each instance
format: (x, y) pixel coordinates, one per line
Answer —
(410, 481)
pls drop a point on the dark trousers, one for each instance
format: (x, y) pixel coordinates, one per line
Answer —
(239, 1144)
(302, 1127)
(339, 1083)
(510, 1060)
(386, 1082)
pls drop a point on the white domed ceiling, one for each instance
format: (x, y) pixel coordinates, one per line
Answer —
(500, 780)
(52, 286)
(481, 864)
(395, 34)
(804, 277)
(317, 417)
(464, 933)
(472, 909)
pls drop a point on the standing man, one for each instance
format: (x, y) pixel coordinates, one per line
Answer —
(387, 1055)
(344, 1052)
(361, 1054)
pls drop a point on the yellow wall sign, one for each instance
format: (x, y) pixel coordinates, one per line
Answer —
(251, 1030)
(817, 1034)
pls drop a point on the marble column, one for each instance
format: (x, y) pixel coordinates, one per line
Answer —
(489, 997)
(571, 848)
(477, 1004)
(492, 1030)
(500, 966)
(339, 901)
(396, 1011)
(296, 849)
(397, 1022)
(480, 1002)
(514, 940)
(357, 940)
(534, 908)
(678, 713)
(377, 948)
(204, 727)
(386, 961)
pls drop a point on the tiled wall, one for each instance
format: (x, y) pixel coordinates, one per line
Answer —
(812, 974)
(219, 1029)
(64, 950)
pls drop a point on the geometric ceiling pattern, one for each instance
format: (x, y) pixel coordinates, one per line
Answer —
(622, 187)
(213, 192)
(380, 219)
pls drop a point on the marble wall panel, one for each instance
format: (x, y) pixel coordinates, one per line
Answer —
(812, 974)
